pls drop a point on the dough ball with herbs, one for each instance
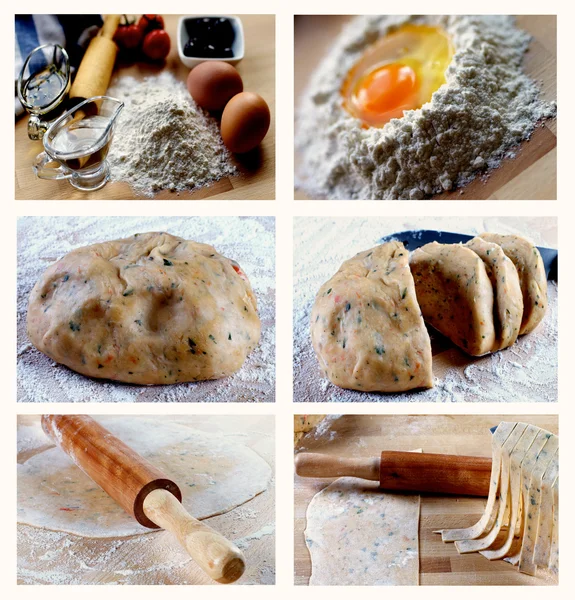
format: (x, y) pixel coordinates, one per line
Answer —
(149, 309)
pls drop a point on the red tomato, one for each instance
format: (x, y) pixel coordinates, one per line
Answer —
(156, 44)
(128, 35)
(150, 23)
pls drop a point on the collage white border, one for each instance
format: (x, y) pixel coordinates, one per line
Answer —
(284, 208)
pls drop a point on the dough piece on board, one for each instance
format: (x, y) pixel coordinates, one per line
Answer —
(531, 271)
(214, 474)
(508, 299)
(149, 309)
(304, 423)
(455, 295)
(366, 326)
(358, 535)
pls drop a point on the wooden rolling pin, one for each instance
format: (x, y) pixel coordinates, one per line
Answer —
(405, 471)
(95, 70)
(143, 491)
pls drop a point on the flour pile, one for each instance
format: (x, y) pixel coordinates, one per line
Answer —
(486, 108)
(163, 141)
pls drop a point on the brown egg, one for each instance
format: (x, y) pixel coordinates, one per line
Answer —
(213, 83)
(245, 122)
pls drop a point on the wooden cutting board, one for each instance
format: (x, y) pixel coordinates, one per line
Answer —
(46, 557)
(532, 174)
(257, 169)
(367, 435)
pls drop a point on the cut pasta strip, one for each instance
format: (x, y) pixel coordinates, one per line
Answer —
(520, 523)
(485, 523)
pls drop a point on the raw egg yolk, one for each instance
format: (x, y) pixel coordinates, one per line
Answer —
(399, 72)
(386, 92)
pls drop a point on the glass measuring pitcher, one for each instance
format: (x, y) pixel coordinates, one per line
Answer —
(43, 83)
(78, 142)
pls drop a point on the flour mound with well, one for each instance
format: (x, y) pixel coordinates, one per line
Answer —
(163, 140)
(487, 106)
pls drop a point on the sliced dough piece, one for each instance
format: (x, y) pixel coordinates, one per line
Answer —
(531, 271)
(485, 523)
(358, 535)
(366, 326)
(508, 298)
(455, 295)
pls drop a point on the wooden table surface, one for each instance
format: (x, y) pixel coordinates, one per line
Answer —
(368, 435)
(532, 174)
(257, 168)
(157, 558)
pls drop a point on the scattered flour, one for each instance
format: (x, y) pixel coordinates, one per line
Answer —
(248, 240)
(244, 542)
(525, 372)
(163, 141)
(486, 108)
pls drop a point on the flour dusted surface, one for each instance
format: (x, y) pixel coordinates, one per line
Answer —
(248, 240)
(163, 140)
(474, 121)
(525, 372)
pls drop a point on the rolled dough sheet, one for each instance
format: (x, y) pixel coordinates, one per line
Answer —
(214, 474)
(358, 535)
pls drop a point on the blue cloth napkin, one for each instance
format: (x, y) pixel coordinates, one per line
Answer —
(72, 32)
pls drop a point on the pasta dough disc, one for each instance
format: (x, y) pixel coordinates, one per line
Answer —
(358, 535)
(214, 474)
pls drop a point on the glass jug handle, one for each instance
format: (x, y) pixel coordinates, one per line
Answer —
(36, 128)
(44, 172)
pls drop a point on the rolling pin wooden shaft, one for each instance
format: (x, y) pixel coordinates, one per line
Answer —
(405, 471)
(143, 491)
(95, 70)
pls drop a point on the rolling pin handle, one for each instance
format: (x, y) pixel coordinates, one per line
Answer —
(222, 560)
(310, 464)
